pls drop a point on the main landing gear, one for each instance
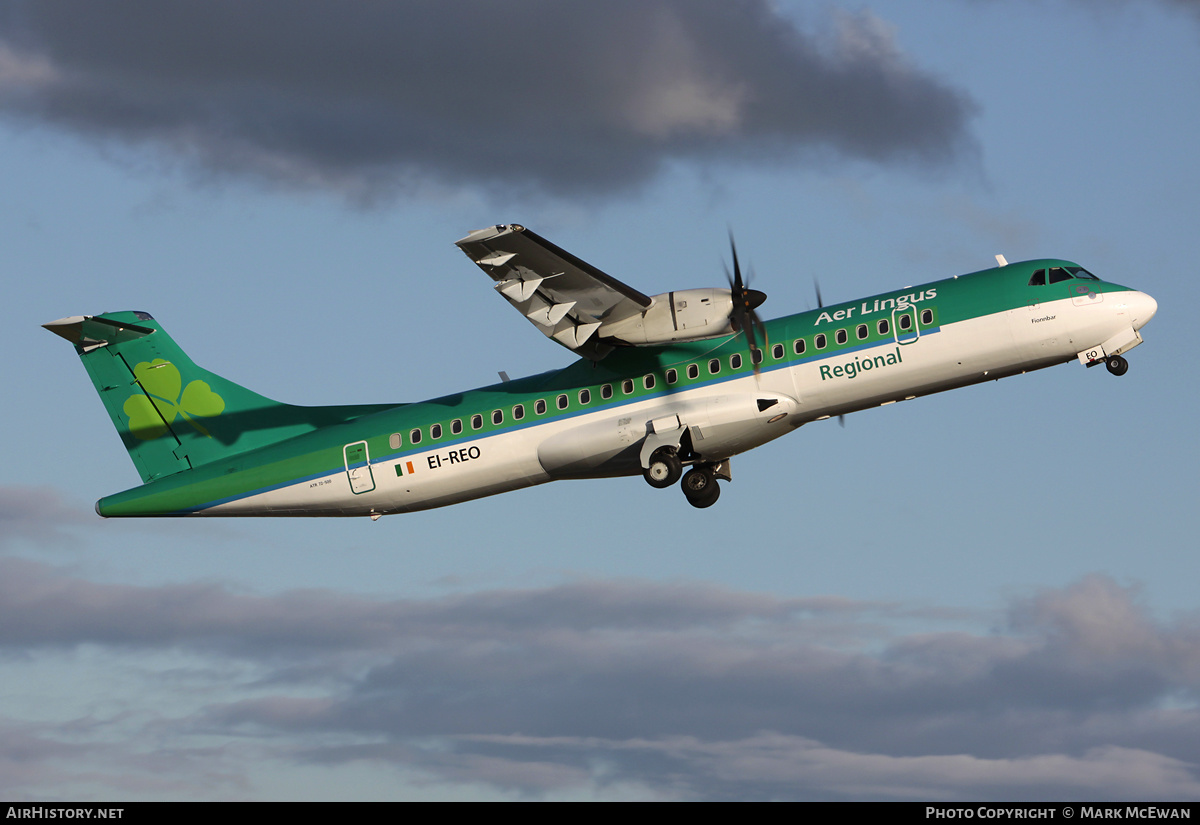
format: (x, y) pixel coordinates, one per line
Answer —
(1116, 364)
(699, 485)
(665, 468)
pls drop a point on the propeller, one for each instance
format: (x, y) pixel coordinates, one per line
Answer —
(821, 305)
(745, 301)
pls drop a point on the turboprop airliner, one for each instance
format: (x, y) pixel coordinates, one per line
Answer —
(669, 386)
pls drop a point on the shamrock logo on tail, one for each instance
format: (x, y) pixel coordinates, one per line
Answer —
(163, 401)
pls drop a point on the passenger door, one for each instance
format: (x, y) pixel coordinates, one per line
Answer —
(358, 467)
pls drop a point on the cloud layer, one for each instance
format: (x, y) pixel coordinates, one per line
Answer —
(569, 98)
(631, 688)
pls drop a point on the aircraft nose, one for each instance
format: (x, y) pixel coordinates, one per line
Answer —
(1141, 309)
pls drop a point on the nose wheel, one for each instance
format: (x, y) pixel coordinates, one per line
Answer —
(1116, 364)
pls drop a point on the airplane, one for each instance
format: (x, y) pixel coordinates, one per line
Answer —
(663, 384)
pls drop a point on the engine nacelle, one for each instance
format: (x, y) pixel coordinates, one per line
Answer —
(685, 315)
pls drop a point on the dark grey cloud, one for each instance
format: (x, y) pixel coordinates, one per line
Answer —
(369, 98)
(676, 690)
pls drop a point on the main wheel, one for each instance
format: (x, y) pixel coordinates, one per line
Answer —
(1117, 365)
(697, 482)
(709, 498)
(701, 487)
(664, 470)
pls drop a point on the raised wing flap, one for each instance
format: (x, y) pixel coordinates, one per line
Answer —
(568, 299)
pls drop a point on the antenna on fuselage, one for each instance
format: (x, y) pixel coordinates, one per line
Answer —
(1000, 260)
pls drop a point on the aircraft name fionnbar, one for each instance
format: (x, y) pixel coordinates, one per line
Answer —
(870, 307)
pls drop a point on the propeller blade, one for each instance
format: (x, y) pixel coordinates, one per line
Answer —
(743, 318)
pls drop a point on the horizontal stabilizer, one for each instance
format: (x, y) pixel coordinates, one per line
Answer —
(88, 332)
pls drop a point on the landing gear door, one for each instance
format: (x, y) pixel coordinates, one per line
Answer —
(358, 467)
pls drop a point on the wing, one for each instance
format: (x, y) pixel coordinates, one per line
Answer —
(569, 300)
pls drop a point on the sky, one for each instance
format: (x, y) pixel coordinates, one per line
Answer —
(983, 594)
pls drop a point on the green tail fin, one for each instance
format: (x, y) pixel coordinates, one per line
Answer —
(171, 414)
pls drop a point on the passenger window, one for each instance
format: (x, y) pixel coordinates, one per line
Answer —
(476, 421)
(395, 441)
(518, 412)
(539, 406)
(927, 316)
(840, 336)
(435, 431)
(906, 322)
(1038, 279)
(585, 396)
(883, 326)
(627, 386)
(648, 382)
(756, 355)
(714, 366)
(562, 402)
(606, 391)
(862, 332)
(735, 361)
(415, 436)
(798, 346)
(456, 426)
(777, 352)
(672, 376)
(820, 341)
(693, 371)
(497, 417)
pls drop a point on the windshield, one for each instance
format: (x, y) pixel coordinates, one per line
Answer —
(1058, 274)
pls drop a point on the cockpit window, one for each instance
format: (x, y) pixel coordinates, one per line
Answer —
(1058, 274)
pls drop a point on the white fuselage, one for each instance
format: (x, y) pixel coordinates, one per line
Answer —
(723, 417)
